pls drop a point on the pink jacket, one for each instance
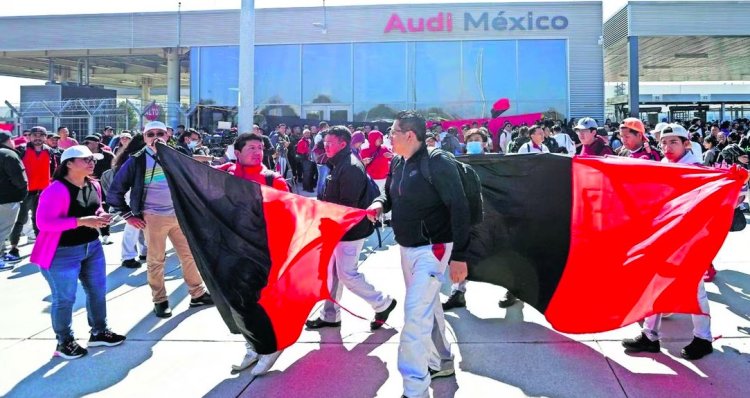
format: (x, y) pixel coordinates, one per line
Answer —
(52, 220)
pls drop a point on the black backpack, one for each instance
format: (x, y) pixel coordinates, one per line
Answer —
(371, 193)
(518, 143)
(469, 180)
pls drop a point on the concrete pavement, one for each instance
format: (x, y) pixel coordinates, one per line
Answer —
(499, 353)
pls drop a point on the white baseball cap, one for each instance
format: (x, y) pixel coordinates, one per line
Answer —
(126, 135)
(155, 125)
(660, 127)
(677, 131)
(79, 151)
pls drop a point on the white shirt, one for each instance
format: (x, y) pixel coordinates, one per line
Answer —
(564, 141)
(697, 150)
(503, 138)
(529, 148)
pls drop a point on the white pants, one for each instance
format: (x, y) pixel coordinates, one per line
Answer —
(343, 272)
(133, 242)
(381, 186)
(701, 323)
(423, 342)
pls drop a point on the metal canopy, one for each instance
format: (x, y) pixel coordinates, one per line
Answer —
(113, 68)
(687, 58)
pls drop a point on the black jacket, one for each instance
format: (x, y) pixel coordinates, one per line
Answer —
(347, 185)
(425, 213)
(13, 183)
(130, 177)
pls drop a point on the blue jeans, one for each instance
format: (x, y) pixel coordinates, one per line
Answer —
(323, 171)
(85, 262)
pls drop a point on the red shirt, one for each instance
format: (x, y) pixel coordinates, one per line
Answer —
(37, 168)
(303, 146)
(380, 165)
(254, 174)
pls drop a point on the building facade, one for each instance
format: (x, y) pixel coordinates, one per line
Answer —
(449, 61)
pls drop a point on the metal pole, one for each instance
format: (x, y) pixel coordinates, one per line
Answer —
(173, 87)
(633, 77)
(246, 100)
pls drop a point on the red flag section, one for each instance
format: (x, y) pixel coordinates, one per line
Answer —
(641, 239)
(302, 234)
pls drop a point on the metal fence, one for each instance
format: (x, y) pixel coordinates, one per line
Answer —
(87, 116)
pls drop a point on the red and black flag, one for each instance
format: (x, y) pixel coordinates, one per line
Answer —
(263, 253)
(598, 243)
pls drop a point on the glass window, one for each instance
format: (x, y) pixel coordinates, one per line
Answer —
(219, 75)
(380, 73)
(489, 74)
(542, 70)
(437, 72)
(277, 74)
(327, 73)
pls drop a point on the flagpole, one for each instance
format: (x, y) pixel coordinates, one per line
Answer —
(246, 100)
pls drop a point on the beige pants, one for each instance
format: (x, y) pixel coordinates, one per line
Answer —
(158, 228)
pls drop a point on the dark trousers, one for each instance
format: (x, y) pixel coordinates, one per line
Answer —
(30, 203)
(308, 183)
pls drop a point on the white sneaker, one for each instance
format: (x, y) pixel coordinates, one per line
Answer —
(105, 240)
(250, 358)
(265, 363)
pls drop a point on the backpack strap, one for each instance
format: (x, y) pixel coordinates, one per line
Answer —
(269, 175)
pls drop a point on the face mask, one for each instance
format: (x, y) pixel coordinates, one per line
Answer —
(474, 148)
(192, 144)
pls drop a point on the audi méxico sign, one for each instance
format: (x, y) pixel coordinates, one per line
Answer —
(487, 21)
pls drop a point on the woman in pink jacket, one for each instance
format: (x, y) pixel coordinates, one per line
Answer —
(68, 249)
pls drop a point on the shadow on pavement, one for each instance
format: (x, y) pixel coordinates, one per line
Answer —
(328, 372)
(102, 368)
(734, 289)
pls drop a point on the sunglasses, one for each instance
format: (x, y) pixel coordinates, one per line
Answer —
(89, 160)
(159, 134)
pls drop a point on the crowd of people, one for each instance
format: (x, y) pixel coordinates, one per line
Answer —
(71, 193)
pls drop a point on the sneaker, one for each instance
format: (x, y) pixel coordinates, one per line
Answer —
(70, 350)
(710, 274)
(142, 258)
(641, 344)
(12, 256)
(106, 241)
(265, 363)
(251, 357)
(106, 338)
(508, 300)
(162, 309)
(132, 263)
(205, 299)
(456, 300)
(382, 316)
(436, 374)
(697, 349)
(319, 324)
(5, 266)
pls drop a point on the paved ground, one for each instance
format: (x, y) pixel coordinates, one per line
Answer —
(499, 353)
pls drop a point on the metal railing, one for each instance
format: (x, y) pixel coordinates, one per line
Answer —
(88, 116)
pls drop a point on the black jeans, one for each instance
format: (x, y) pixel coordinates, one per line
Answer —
(30, 203)
(308, 183)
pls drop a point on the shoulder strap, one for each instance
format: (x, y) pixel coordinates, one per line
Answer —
(270, 175)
